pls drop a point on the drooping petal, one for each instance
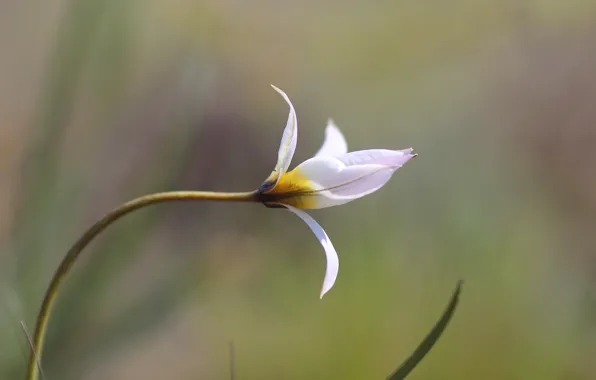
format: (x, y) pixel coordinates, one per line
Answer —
(330, 181)
(332, 258)
(334, 143)
(289, 138)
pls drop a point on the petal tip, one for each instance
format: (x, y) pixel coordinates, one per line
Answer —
(334, 143)
(332, 127)
(408, 157)
(287, 99)
(409, 153)
(281, 92)
(324, 291)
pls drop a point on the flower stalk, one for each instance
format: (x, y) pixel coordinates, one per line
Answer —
(95, 230)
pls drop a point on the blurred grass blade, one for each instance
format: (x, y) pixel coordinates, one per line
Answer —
(232, 361)
(427, 344)
(40, 199)
(31, 347)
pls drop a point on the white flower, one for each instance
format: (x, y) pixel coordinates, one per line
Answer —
(332, 177)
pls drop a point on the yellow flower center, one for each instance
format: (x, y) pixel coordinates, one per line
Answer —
(293, 189)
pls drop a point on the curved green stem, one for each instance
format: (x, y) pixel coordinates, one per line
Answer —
(74, 252)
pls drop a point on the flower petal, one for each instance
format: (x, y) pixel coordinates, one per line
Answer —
(335, 143)
(332, 258)
(395, 158)
(334, 181)
(289, 138)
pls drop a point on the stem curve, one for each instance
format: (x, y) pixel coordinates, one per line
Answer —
(74, 252)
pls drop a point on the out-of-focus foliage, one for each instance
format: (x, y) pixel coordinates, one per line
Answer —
(101, 101)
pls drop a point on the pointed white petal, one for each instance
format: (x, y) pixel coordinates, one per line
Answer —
(338, 180)
(335, 143)
(289, 138)
(395, 158)
(332, 258)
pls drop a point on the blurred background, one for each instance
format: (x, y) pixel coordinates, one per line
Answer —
(102, 101)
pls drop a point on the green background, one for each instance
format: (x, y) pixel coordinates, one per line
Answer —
(103, 100)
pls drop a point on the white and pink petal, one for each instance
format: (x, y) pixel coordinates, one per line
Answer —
(337, 180)
(332, 268)
(394, 158)
(334, 144)
(289, 138)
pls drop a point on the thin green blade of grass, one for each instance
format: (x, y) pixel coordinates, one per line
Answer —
(429, 341)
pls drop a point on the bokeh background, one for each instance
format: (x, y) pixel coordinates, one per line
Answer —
(105, 100)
